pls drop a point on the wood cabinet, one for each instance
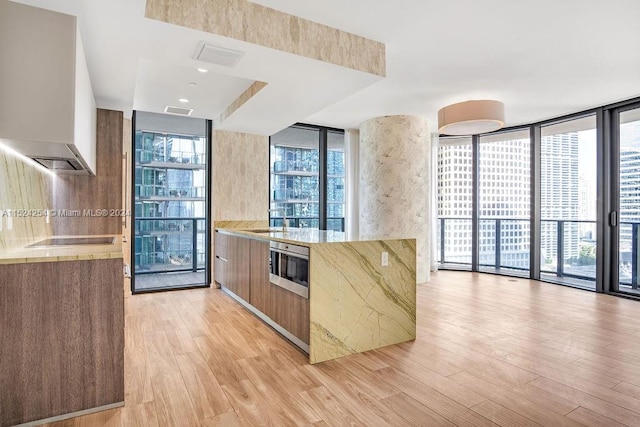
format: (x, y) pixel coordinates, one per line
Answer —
(246, 273)
(291, 311)
(238, 265)
(261, 297)
(62, 329)
(221, 255)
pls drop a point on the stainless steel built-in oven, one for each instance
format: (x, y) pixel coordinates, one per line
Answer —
(290, 267)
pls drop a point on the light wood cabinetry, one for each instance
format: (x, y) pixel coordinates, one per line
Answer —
(260, 297)
(220, 254)
(62, 329)
(291, 311)
(238, 266)
(102, 191)
(246, 273)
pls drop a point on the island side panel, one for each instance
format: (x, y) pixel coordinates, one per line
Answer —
(356, 304)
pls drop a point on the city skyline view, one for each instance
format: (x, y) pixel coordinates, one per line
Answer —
(568, 210)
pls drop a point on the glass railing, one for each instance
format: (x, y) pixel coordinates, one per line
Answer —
(333, 223)
(454, 242)
(174, 156)
(146, 191)
(628, 254)
(169, 244)
(567, 247)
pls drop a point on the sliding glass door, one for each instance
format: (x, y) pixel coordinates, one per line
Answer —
(170, 179)
(568, 168)
(625, 220)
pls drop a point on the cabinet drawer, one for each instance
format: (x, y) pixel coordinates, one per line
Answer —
(220, 271)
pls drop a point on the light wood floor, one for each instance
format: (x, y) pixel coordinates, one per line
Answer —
(490, 350)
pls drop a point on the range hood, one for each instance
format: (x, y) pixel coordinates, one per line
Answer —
(47, 107)
(57, 157)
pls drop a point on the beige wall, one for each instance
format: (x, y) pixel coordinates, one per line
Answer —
(395, 182)
(240, 176)
(23, 186)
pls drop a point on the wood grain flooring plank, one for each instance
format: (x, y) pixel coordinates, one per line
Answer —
(159, 354)
(607, 366)
(627, 389)
(279, 389)
(355, 396)
(551, 413)
(143, 414)
(588, 401)
(501, 415)
(172, 402)
(206, 395)
(137, 381)
(250, 405)
(229, 419)
(180, 340)
(592, 419)
(223, 366)
(414, 412)
(332, 411)
(439, 361)
(560, 373)
(437, 402)
(438, 382)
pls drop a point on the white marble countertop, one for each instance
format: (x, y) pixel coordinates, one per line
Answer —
(301, 236)
(63, 253)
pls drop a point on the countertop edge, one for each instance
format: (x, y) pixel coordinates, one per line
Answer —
(27, 255)
(268, 238)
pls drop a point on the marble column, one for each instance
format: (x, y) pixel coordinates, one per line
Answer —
(395, 183)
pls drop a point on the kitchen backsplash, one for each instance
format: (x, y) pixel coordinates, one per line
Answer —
(24, 200)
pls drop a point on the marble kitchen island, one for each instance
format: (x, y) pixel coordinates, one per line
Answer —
(355, 304)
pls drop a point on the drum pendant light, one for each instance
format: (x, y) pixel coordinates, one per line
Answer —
(471, 117)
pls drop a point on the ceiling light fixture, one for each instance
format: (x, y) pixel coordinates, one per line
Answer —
(193, 84)
(471, 117)
(183, 100)
(203, 70)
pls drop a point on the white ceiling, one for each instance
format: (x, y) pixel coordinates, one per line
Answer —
(541, 58)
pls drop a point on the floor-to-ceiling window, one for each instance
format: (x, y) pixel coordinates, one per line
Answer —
(568, 201)
(455, 175)
(557, 200)
(628, 191)
(170, 202)
(307, 167)
(504, 197)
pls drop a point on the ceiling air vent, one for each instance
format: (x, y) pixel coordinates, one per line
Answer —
(179, 111)
(218, 55)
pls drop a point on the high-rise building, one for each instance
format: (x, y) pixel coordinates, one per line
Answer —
(504, 188)
(295, 178)
(559, 194)
(170, 189)
(455, 199)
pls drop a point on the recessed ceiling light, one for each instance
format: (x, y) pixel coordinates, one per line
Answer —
(192, 84)
(184, 100)
(203, 70)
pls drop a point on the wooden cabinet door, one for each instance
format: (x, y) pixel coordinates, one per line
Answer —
(291, 311)
(260, 286)
(221, 255)
(220, 271)
(238, 264)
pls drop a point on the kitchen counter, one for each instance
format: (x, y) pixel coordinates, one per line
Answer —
(27, 254)
(355, 302)
(301, 236)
